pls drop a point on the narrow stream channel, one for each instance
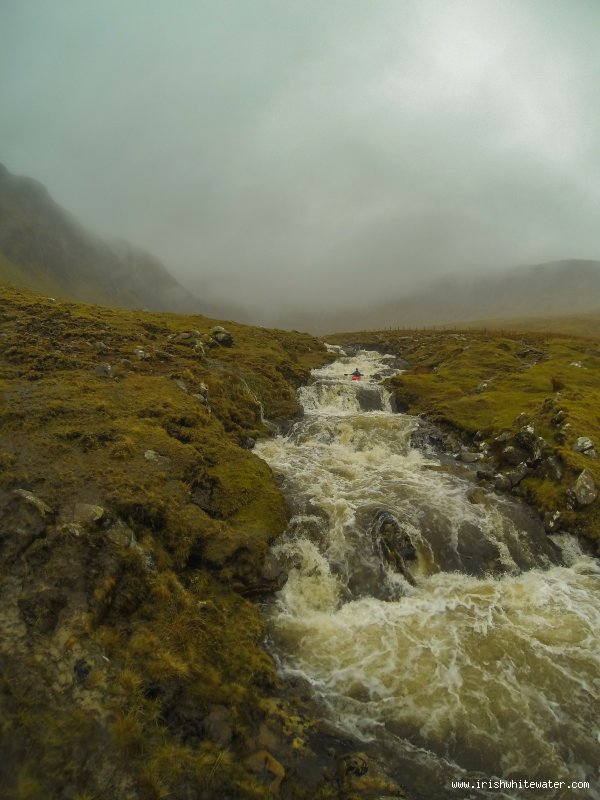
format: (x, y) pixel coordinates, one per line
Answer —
(436, 621)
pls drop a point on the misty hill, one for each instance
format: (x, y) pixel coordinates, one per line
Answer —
(42, 246)
(544, 290)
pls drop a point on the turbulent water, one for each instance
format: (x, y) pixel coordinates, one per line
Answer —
(435, 620)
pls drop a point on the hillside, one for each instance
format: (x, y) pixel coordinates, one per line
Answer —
(42, 246)
(582, 324)
(134, 543)
(560, 288)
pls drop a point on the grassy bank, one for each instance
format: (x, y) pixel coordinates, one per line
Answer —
(134, 533)
(485, 385)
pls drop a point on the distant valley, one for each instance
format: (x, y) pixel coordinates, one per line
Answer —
(44, 247)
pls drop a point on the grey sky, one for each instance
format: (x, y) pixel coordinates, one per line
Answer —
(277, 153)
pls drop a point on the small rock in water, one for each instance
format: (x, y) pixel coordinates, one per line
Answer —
(468, 457)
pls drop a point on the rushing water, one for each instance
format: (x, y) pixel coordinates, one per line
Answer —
(439, 623)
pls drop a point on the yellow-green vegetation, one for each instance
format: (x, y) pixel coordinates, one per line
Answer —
(580, 324)
(135, 525)
(485, 384)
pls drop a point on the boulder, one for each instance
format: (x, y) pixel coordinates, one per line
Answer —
(393, 542)
(517, 474)
(467, 457)
(584, 489)
(222, 336)
(529, 441)
(514, 455)
(549, 468)
(502, 483)
(87, 515)
(583, 444)
(559, 417)
(104, 371)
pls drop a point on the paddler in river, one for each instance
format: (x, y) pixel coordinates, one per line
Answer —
(356, 374)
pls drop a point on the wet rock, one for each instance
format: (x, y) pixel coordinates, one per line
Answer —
(182, 385)
(485, 475)
(503, 437)
(100, 347)
(361, 777)
(393, 542)
(477, 496)
(369, 398)
(584, 489)
(517, 474)
(552, 521)
(502, 483)
(468, 457)
(272, 569)
(140, 353)
(514, 455)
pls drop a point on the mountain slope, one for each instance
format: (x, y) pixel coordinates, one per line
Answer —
(555, 288)
(44, 247)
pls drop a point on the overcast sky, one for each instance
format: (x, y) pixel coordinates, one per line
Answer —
(280, 153)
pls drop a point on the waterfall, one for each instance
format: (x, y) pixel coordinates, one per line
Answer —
(452, 634)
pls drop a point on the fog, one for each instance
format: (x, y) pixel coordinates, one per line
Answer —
(282, 156)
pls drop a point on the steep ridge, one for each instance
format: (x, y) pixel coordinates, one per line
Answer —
(42, 246)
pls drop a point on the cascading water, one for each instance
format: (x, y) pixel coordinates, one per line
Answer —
(444, 626)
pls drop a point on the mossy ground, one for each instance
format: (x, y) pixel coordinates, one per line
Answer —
(122, 632)
(491, 382)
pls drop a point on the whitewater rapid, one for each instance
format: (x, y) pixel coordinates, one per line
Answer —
(474, 654)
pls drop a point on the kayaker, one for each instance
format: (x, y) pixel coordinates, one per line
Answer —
(357, 373)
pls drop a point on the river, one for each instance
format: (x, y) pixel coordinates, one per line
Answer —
(435, 620)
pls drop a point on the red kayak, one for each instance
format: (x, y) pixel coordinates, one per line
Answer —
(356, 377)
